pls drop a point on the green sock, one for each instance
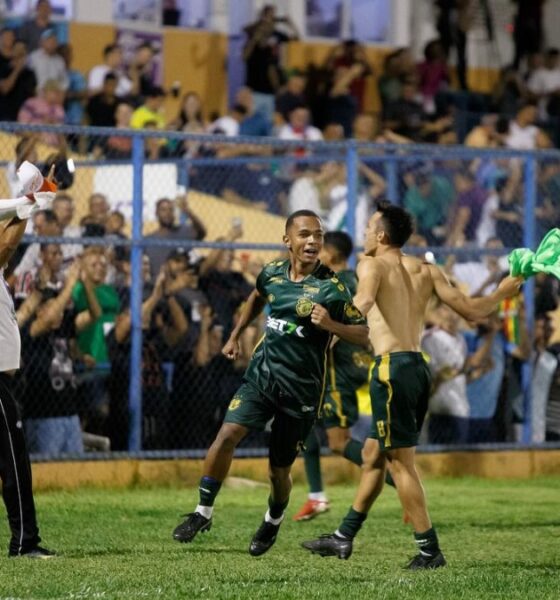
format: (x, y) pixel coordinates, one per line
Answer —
(352, 523)
(276, 509)
(353, 451)
(312, 462)
(208, 489)
(427, 542)
(389, 479)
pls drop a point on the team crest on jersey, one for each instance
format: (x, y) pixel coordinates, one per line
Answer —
(352, 312)
(276, 279)
(309, 289)
(304, 307)
(234, 404)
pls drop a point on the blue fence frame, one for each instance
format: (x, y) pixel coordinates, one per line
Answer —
(389, 155)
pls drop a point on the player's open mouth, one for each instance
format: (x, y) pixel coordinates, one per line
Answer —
(311, 252)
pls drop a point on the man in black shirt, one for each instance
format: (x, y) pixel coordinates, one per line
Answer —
(17, 83)
(262, 57)
(101, 107)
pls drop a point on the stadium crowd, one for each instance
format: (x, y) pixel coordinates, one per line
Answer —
(72, 302)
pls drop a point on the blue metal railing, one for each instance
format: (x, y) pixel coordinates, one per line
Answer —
(390, 156)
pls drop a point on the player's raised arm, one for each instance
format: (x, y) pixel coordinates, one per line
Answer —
(472, 308)
(354, 334)
(253, 307)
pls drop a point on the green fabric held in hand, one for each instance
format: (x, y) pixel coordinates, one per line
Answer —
(524, 262)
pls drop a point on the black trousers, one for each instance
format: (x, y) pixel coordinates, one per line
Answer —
(15, 472)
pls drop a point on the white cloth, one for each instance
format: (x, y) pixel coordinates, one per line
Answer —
(543, 372)
(544, 81)
(337, 217)
(473, 274)
(310, 134)
(225, 125)
(447, 350)
(10, 340)
(487, 225)
(96, 79)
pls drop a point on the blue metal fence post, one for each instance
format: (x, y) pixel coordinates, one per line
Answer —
(392, 179)
(529, 241)
(352, 179)
(135, 383)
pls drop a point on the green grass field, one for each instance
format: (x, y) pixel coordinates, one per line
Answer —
(501, 539)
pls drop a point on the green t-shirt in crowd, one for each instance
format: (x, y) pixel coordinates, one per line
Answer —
(431, 210)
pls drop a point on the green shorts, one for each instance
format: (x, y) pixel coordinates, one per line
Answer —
(399, 390)
(252, 409)
(340, 409)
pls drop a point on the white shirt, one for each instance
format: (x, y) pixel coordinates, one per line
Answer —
(487, 225)
(227, 125)
(447, 350)
(10, 341)
(96, 79)
(310, 134)
(544, 81)
(522, 138)
(47, 67)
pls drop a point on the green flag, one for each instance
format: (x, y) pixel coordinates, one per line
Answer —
(546, 259)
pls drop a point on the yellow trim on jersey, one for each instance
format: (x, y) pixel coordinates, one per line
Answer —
(260, 341)
(335, 394)
(324, 376)
(384, 375)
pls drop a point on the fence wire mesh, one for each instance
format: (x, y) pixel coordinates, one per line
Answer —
(213, 213)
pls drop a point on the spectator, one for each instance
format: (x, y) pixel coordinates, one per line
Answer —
(112, 63)
(544, 83)
(7, 41)
(399, 66)
(351, 56)
(141, 71)
(96, 305)
(45, 109)
(510, 92)
(101, 107)
(429, 198)
(528, 30)
(509, 213)
(52, 425)
(99, 209)
(485, 135)
(433, 74)
(149, 112)
(333, 132)
(229, 124)
(192, 229)
(253, 123)
(261, 54)
(63, 208)
(291, 95)
(448, 407)
(523, 133)
(17, 83)
(190, 118)
(454, 21)
(47, 64)
(120, 146)
(545, 364)
(342, 106)
(553, 404)
(471, 198)
(76, 93)
(298, 127)
(30, 32)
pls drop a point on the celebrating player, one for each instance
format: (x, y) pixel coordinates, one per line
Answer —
(393, 292)
(285, 379)
(348, 366)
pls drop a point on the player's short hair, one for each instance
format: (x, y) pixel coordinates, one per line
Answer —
(398, 222)
(340, 241)
(304, 212)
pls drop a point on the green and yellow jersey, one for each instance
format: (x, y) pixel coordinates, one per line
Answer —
(348, 363)
(289, 364)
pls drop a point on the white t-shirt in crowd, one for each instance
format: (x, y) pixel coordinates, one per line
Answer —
(310, 133)
(522, 138)
(226, 125)
(10, 341)
(97, 77)
(447, 350)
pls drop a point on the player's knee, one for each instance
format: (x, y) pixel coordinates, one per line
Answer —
(228, 438)
(279, 474)
(337, 446)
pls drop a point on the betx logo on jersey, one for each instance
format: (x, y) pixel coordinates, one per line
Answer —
(284, 327)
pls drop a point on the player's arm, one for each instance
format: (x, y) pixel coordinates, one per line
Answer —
(472, 309)
(253, 308)
(354, 334)
(369, 278)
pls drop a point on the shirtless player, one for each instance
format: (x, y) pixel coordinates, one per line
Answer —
(393, 291)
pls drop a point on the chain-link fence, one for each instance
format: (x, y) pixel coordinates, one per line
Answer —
(126, 291)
